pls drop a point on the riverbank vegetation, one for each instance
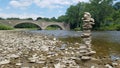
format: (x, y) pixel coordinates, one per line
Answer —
(5, 27)
(105, 12)
(53, 27)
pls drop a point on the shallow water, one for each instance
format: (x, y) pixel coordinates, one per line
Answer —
(105, 43)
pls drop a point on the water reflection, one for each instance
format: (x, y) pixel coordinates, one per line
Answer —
(105, 43)
(58, 33)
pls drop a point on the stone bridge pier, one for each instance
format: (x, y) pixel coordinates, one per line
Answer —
(42, 24)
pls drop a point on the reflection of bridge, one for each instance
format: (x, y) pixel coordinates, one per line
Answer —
(41, 24)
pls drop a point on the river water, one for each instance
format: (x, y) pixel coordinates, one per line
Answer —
(105, 43)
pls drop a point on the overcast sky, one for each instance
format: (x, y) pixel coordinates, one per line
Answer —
(35, 8)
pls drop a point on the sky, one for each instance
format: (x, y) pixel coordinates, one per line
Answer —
(35, 8)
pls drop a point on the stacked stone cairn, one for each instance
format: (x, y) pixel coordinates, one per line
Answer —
(85, 48)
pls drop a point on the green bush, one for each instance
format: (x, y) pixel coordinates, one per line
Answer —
(118, 27)
(4, 27)
(111, 27)
(77, 29)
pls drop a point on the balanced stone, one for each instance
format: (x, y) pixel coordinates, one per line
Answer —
(85, 48)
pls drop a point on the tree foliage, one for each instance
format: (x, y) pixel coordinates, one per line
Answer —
(117, 6)
(104, 12)
(74, 13)
(39, 18)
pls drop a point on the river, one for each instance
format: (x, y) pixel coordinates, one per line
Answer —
(105, 43)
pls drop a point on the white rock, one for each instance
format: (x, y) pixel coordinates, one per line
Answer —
(87, 42)
(85, 58)
(54, 39)
(33, 58)
(83, 51)
(19, 64)
(44, 48)
(57, 65)
(114, 64)
(4, 61)
(92, 52)
(14, 56)
(83, 47)
(108, 66)
(92, 67)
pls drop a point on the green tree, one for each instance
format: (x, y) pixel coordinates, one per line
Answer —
(100, 10)
(74, 14)
(62, 18)
(1, 18)
(53, 19)
(117, 5)
(28, 19)
(13, 18)
(103, 11)
(46, 19)
(39, 18)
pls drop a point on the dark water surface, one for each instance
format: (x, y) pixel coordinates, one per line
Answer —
(105, 43)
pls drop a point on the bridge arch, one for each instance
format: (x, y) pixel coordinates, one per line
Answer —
(28, 22)
(54, 24)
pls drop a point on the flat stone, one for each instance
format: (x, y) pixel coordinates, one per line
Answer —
(88, 42)
(83, 47)
(108, 66)
(92, 67)
(85, 58)
(92, 52)
(4, 62)
(44, 48)
(114, 64)
(18, 64)
(73, 57)
(14, 56)
(51, 53)
(33, 59)
(25, 67)
(83, 51)
(87, 34)
(57, 65)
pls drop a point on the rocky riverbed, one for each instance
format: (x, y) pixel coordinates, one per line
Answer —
(20, 49)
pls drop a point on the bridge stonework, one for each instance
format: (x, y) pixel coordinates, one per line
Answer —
(42, 24)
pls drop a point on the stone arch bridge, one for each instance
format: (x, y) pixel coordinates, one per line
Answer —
(42, 24)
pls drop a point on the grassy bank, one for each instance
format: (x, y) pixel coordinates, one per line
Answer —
(52, 28)
(111, 27)
(5, 27)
